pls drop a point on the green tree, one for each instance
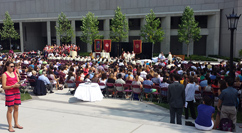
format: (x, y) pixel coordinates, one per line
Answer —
(188, 31)
(151, 32)
(8, 31)
(64, 29)
(89, 28)
(119, 26)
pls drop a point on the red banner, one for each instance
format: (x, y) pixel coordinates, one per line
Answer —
(107, 45)
(98, 45)
(137, 46)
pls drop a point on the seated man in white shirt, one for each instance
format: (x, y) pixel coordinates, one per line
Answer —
(161, 56)
(143, 73)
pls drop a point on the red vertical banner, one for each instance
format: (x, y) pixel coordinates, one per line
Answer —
(137, 46)
(98, 45)
(107, 45)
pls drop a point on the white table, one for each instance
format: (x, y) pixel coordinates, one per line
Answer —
(89, 92)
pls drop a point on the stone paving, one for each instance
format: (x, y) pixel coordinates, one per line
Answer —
(61, 112)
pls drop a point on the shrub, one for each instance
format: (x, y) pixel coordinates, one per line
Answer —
(84, 53)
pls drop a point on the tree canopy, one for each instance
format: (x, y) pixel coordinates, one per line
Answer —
(64, 29)
(151, 31)
(188, 31)
(8, 31)
(89, 28)
(119, 26)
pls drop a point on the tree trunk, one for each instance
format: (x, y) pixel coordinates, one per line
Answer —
(187, 50)
(10, 43)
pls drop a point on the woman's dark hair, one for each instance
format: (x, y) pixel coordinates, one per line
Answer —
(86, 77)
(71, 69)
(207, 100)
(7, 64)
(70, 73)
(30, 69)
(50, 71)
(104, 76)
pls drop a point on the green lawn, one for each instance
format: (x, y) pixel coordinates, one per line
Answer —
(224, 57)
(25, 96)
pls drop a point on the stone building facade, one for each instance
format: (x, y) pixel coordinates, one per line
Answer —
(35, 20)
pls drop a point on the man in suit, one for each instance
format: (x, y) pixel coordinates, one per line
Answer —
(176, 100)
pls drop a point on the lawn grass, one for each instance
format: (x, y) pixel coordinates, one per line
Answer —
(199, 58)
(224, 57)
(166, 105)
(25, 96)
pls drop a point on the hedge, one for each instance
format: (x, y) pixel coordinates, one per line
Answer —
(6, 51)
(224, 57)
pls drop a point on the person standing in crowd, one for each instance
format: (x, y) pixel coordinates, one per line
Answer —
(228, 100)
(190, 93)
(169, 57)
(176, 100)
(12, 94)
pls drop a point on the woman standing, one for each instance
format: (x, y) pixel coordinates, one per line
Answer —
(12, 94)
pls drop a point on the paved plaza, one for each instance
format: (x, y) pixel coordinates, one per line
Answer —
(61, 113)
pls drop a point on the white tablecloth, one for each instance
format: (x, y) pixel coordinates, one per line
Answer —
(73, 54)
(89, 92)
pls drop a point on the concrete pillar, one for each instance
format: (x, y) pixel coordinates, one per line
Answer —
(73, 24)
(106, 29)
(166, 26)
(21, 36)
(57, 39)
(216, 33)
(212, 47)
(142, 23)
(48, 33)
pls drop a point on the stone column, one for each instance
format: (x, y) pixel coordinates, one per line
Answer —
(73, 24)
(106, 29)
(142, 23)
(21, 36)
(216, 33)
(57, 39)
(48, 33)
(166, 26)
(212, 47)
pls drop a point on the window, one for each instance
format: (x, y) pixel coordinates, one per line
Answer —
(101, 25)
(134, 24)
(202, 20)
(78, 25)
(175, 21)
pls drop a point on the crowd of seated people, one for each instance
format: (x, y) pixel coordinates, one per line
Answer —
(56, 70)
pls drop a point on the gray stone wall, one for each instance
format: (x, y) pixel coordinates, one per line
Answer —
(20, 9)
(41, 10)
